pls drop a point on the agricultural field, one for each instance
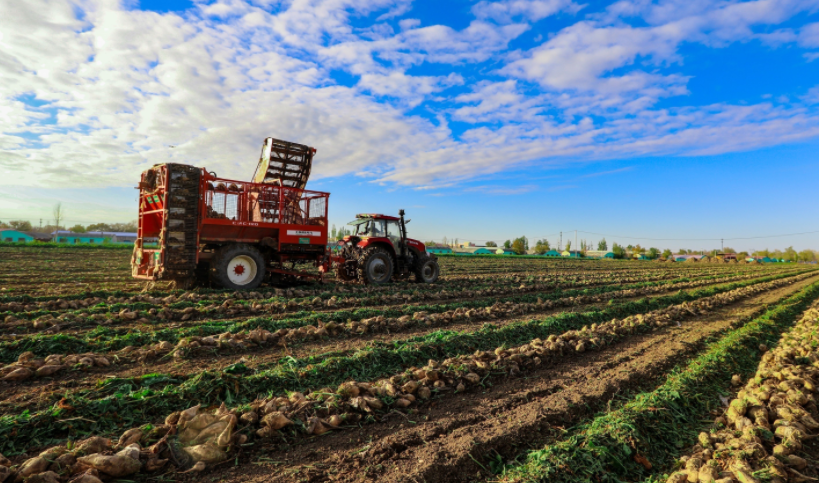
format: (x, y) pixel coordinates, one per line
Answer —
(508, 369)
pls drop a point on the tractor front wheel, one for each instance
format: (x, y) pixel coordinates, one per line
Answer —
(238, 267)
(426, 270)
(375, 266)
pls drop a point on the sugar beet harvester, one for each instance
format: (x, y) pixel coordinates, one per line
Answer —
(238, 234)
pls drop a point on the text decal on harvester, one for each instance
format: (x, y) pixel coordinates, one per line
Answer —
(303, 233)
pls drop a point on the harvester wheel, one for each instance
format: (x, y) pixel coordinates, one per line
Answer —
(375, 266)
(426, 270)
(237, 267)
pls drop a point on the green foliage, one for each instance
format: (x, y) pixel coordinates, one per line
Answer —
(491, 244)
(653, 253)
(519, 247)
(603, 245)
(507, 244)
(619, 251)
(20, 225)
(667, 254)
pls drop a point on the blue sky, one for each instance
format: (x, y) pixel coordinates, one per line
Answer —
(673, 122)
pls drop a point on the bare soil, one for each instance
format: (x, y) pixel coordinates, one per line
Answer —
(455, 437)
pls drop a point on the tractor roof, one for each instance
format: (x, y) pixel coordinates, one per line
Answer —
(374, 216)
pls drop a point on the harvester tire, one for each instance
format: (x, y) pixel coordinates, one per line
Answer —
(426, 270)
(375, 266)
(238, 267)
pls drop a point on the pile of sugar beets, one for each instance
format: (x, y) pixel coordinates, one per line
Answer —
(760, 436)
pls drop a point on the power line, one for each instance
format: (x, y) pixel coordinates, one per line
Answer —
(701, 239)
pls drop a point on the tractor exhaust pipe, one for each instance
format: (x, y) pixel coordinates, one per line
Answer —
(404, 252)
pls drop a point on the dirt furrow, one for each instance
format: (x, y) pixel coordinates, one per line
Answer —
(456, 437)
(34, 393)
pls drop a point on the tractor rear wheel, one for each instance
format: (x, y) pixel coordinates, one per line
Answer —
(426, 270)
(238, 267)
(375, 266)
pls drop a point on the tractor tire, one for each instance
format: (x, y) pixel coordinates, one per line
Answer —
(341, 275)
(375, 266)
(426, 270)
(238, 267)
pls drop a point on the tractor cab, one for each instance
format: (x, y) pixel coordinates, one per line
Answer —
(379, 226)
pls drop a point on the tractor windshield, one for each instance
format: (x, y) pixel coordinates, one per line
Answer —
(362, 226)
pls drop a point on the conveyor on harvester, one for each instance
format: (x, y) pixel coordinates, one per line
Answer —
(179, 235)
(284, 164)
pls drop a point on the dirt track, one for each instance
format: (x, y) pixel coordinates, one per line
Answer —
(455, 438)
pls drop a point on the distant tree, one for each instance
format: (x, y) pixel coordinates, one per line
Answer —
(542, 246)
(653, 253)
(518, 246)
(523, 240)
(59, 213)
(791, 255)
(21, 225)
(333, 233)
(602, 245)
(569, 246)
(667, 254)
(742, 255)
(4, 225)
(444, 242)
(430, 243)
(728, 250)
(619, 251)
(507, 244)
(630, 247)
(682, 251)
(638, 249)
(456, 243)
(77, 229)
(491, 244)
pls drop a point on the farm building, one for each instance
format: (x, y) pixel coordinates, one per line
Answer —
(682, 258)
(602, 254)
(641, 256)
(72, 238)
(504, 251)
(552, 253)
(727, 256)
(91, 237)
(571, 253)
(16, 236)
(438, 249)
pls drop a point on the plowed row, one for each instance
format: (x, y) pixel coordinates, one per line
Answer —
(452, 382)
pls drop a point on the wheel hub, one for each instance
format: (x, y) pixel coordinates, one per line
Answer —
(242, 270)
(378, 270)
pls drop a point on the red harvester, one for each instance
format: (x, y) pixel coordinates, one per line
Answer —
(237, 234)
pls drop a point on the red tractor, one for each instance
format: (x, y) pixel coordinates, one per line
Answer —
(237, 234)
(379, 251)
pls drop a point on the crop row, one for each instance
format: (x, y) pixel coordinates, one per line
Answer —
(196, 307)
(258, 337)
(645, 434)
(765, 427)
(106, 339)
(46, 303)
(129, 400)
(202, 438)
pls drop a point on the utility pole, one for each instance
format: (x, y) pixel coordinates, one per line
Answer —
(722, 244)
(560, 243)
(41, 224)
(575, 244)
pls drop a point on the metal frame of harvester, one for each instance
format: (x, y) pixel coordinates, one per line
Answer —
(237, 234)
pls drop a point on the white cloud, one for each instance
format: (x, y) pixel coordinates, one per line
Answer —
(215, 80)
(533, 10)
